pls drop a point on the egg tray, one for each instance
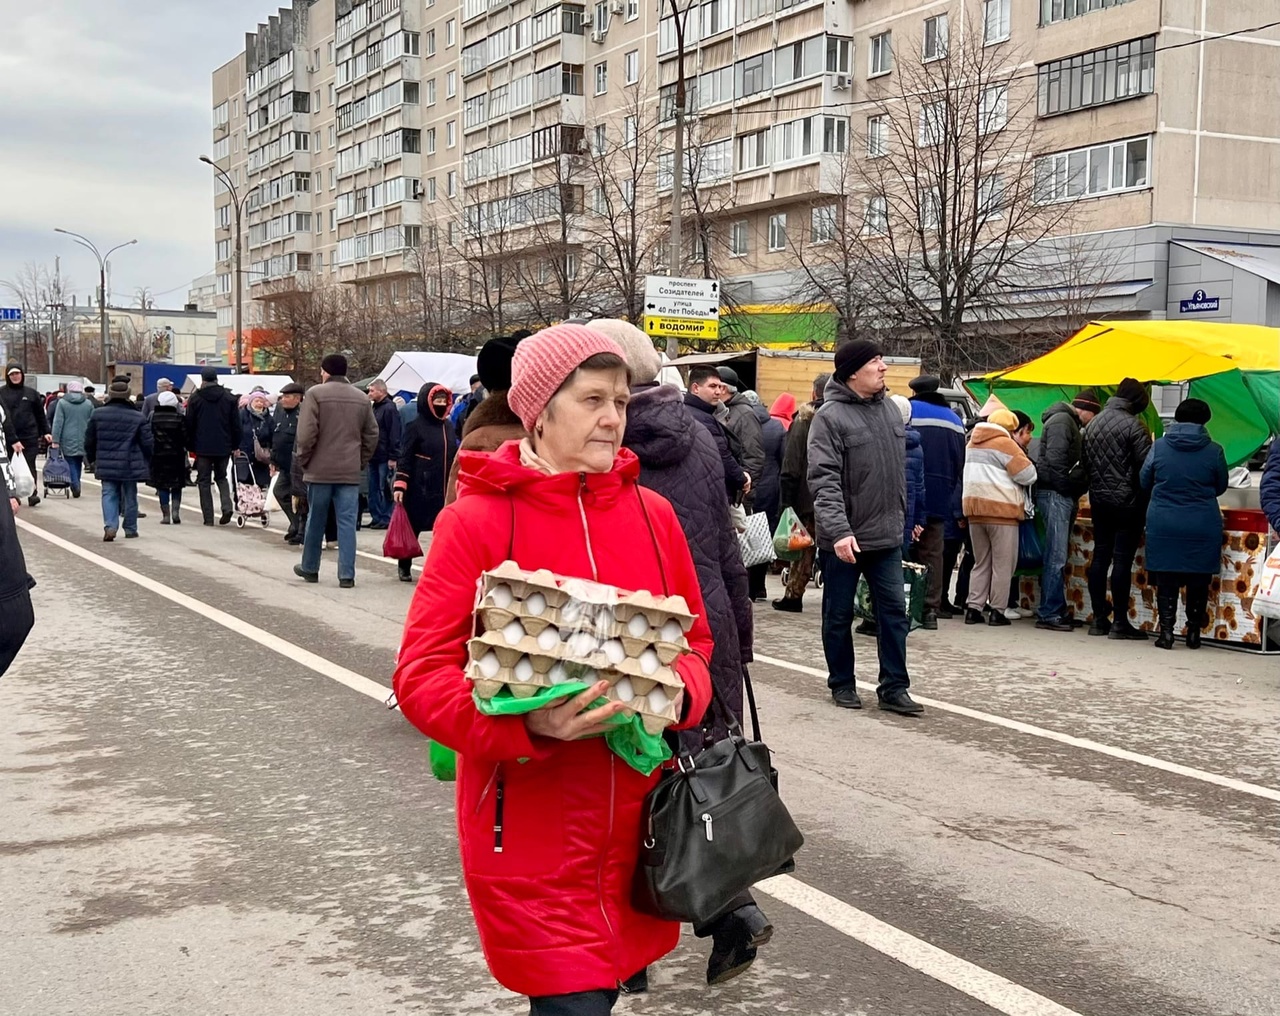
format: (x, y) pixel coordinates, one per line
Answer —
(531, 636)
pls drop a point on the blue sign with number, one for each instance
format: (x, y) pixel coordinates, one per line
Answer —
(1199, 303)
(10, 313)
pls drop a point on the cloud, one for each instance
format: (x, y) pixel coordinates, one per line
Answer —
(106, 110)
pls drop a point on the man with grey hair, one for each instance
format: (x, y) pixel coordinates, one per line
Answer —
(382, 467)
(151, 401)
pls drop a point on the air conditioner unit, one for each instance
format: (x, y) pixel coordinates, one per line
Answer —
(843, 82)
(597, 37)
(588, 20)
(312, 70)
(616, 6)
(375, 163)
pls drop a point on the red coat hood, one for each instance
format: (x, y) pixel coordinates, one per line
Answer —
(501, 472)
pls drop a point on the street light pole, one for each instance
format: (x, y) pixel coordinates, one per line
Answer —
(238, 203)
(105, 336)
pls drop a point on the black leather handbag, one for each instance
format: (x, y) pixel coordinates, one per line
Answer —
(714, 826)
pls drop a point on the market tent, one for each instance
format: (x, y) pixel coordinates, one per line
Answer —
(1234, 368)
(406, 372)
(242, 384)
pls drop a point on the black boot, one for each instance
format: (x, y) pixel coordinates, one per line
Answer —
(406, 571)
(164, 517)
(1166, 609)
(175, 508)
(735, 941)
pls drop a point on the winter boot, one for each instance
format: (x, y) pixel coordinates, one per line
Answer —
(1197, 614)
(164, 516)
(175, 505)
(1166, 609)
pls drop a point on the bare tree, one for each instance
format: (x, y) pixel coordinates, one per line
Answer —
(45, 297)
(936, 220)
(143, 298)
(302, 327)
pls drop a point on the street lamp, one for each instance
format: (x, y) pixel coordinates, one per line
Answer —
(102, 291)
(239, 205)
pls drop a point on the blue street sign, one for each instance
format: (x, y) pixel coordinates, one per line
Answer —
(10, 313)
(1199, 303)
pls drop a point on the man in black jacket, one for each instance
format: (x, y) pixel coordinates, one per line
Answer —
(1060, 484)
(17, 616)
(214, 431)
(704, 394)
(1115, 446)
(279, 433)
(26, 414)
(382, 467)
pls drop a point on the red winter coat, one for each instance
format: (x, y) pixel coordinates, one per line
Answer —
(553, 906)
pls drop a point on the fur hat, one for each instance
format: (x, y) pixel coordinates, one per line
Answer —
(1193, 411)
(637, 348)
(904, 406)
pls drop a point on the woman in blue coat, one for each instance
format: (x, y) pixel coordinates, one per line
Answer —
(1186, 473)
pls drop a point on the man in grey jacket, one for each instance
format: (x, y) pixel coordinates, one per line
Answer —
(857, 472)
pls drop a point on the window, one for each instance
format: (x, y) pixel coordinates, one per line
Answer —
(599, 204)
(602, 16)
(991, 197)
(739, 238)
(1098, 77)
(930, 210)
(629, 126)
(995, 21)
(633, 9)
(839, 55)
(881, 54)
(1062, 10)
(993, 111)
(877, 217)
(333, 137)
(753, 150)
(717, 17)
(431, 190)
(451, 184)
(431, 91)
(602, 77)
(822, 224)
(333, 179)
(431, 42)
(628, 193)
(778, 231)
(450, 32)
(598, 141)
(935, 37)
(412, 93)
(431, 141)
(1090, 172)
(631, 65)
(451, 133)
(933, 124)
(877, 136)
(571, 79)
(450, 84)
(333, 94)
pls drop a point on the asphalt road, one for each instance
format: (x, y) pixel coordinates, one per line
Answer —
(205, 809)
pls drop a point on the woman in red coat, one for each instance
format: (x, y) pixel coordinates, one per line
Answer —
(549, 819)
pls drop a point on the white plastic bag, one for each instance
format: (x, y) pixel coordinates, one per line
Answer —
(1266, 601)
(22, 484)
(756, 541)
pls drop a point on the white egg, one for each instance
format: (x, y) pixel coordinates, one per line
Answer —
(572, 610)
(625, 692)
(614, 652)
(638, 626)
(489, 665)
(558, 674)
(548, 638)
(583, 644)
(649, 662)
(535, 604)
(659, 699)
(501, 596)
(588, 676)
(671, 631)
(513, 632)
(524, 669)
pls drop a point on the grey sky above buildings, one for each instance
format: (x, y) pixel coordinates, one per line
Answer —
(105, 110)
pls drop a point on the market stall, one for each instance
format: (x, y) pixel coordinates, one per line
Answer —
(1236, 370)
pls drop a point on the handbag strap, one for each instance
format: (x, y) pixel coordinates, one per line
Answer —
(751, 704)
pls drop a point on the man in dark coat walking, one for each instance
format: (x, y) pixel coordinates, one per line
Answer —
(1115, 447)
(279, 433)
(942, 442)
(26, 414)
(214, 430)
(17, 616)
(382, 467)
(795, 494)
(704, 395)
(120, 444)
(858, 473)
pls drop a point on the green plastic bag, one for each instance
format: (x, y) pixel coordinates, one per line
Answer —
(915, 581)
(791, 539)
(444, 762)
(627, 738)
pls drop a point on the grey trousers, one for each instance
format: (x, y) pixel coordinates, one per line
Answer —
(995, 557)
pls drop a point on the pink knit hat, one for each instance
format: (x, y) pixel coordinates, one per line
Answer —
(544, 361)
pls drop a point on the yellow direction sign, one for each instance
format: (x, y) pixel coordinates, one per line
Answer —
(681, 328)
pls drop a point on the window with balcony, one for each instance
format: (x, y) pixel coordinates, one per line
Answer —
(602, 77)
(876, 220)
(571, 79)
(839, 55)
(753, 150)
(221, 114)
(877, 136)
(1052, 11)
(1098, 77)
(1111, 168)
(717, 16)
(739, 238)
(995, 21)
(935, 37)
(778, 231)
(749, 10)
(411, 43)
(754, 74)
(631, 66)
(880, 55)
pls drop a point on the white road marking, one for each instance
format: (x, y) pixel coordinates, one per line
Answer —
(270, 529)
(988, 988)
(1084, 743)
(326, 668)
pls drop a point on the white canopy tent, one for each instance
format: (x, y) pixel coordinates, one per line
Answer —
(242, 384)
(409, 371)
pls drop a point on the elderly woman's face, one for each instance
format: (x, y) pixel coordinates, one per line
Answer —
(581, 429)
(258, 403)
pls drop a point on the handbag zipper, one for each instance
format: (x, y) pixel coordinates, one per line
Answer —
(499, 795)
(706, 818)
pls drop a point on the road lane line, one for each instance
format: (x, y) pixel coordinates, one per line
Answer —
(1001, 994)
(977, 982)
(308, 659)
(1084, 743)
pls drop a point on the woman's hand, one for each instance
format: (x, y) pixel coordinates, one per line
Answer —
(574, 718)
(397, 496)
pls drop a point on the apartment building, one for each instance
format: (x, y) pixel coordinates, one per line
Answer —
(370, 138)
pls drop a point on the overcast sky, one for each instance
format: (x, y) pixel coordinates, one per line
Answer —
(104, 109)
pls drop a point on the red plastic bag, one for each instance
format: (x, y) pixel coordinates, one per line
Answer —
(400, 542)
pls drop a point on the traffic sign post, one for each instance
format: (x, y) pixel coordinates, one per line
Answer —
(681, 308)
(10, 313)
